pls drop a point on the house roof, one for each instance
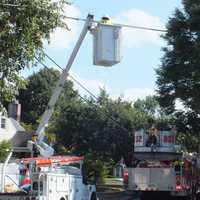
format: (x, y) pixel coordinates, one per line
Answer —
(17, 125)
(20, 139)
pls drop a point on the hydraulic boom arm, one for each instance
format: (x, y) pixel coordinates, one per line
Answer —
(44, 149)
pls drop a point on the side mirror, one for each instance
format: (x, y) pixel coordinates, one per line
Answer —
(84, 176)
(84, 179)
(90, 178)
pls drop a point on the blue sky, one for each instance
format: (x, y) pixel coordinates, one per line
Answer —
(134, 77)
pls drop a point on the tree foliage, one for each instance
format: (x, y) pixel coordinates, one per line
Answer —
(101, 128)
(35, 97)
(24, 24)
(188, 126)
(179, 73)
(5, 147)
(178, 77)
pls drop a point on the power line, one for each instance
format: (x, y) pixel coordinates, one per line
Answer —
(95, 21)
(84, 99)
(141, 27)
(120, 24)
(80, 84)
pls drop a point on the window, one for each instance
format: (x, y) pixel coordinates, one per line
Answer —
(3, 123)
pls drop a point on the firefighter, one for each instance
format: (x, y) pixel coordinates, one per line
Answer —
(152, 139)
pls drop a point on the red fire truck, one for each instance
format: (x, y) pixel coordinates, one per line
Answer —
(160, 168)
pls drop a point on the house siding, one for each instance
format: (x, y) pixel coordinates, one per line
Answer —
(11, 128)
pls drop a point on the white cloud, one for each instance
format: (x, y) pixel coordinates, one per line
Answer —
(133, 37)
(92, 85)
(62, 38)
(132, 94)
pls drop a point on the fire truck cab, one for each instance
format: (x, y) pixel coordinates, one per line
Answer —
(159, 166)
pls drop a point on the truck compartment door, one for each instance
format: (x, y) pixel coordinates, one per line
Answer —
(163, 179)
(138, 178)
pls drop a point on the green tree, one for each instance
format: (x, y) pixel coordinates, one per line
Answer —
(35, 97)
(24, 24)
(102, 127)
(98, 129)
(188, 126)
(149, 105)
(5, 147)
(178, 77)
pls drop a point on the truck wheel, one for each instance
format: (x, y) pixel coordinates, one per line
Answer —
(145, 196)
(155, 195)
(94, 196)
(181, 198)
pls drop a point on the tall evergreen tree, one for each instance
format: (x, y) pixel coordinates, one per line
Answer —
(178, 77)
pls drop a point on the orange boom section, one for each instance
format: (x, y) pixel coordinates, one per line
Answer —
(41, 161)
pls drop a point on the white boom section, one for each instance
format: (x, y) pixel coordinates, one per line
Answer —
(4, 170)
(58, 89)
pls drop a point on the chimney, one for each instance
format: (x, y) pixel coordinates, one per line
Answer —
(14, 110)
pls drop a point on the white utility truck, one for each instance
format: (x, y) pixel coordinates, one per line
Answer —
(56, 177)
(49, 177)
(160, 169)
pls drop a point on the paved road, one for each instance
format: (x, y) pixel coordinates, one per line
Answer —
(113, 190)
(115, 196)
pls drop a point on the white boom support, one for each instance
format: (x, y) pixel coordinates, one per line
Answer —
(57, 91)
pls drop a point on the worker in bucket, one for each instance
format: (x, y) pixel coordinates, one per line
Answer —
(106, 20)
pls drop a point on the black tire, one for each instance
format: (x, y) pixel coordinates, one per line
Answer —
(146, 196)
(143, 196)
(181, 198)
(155, 195)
